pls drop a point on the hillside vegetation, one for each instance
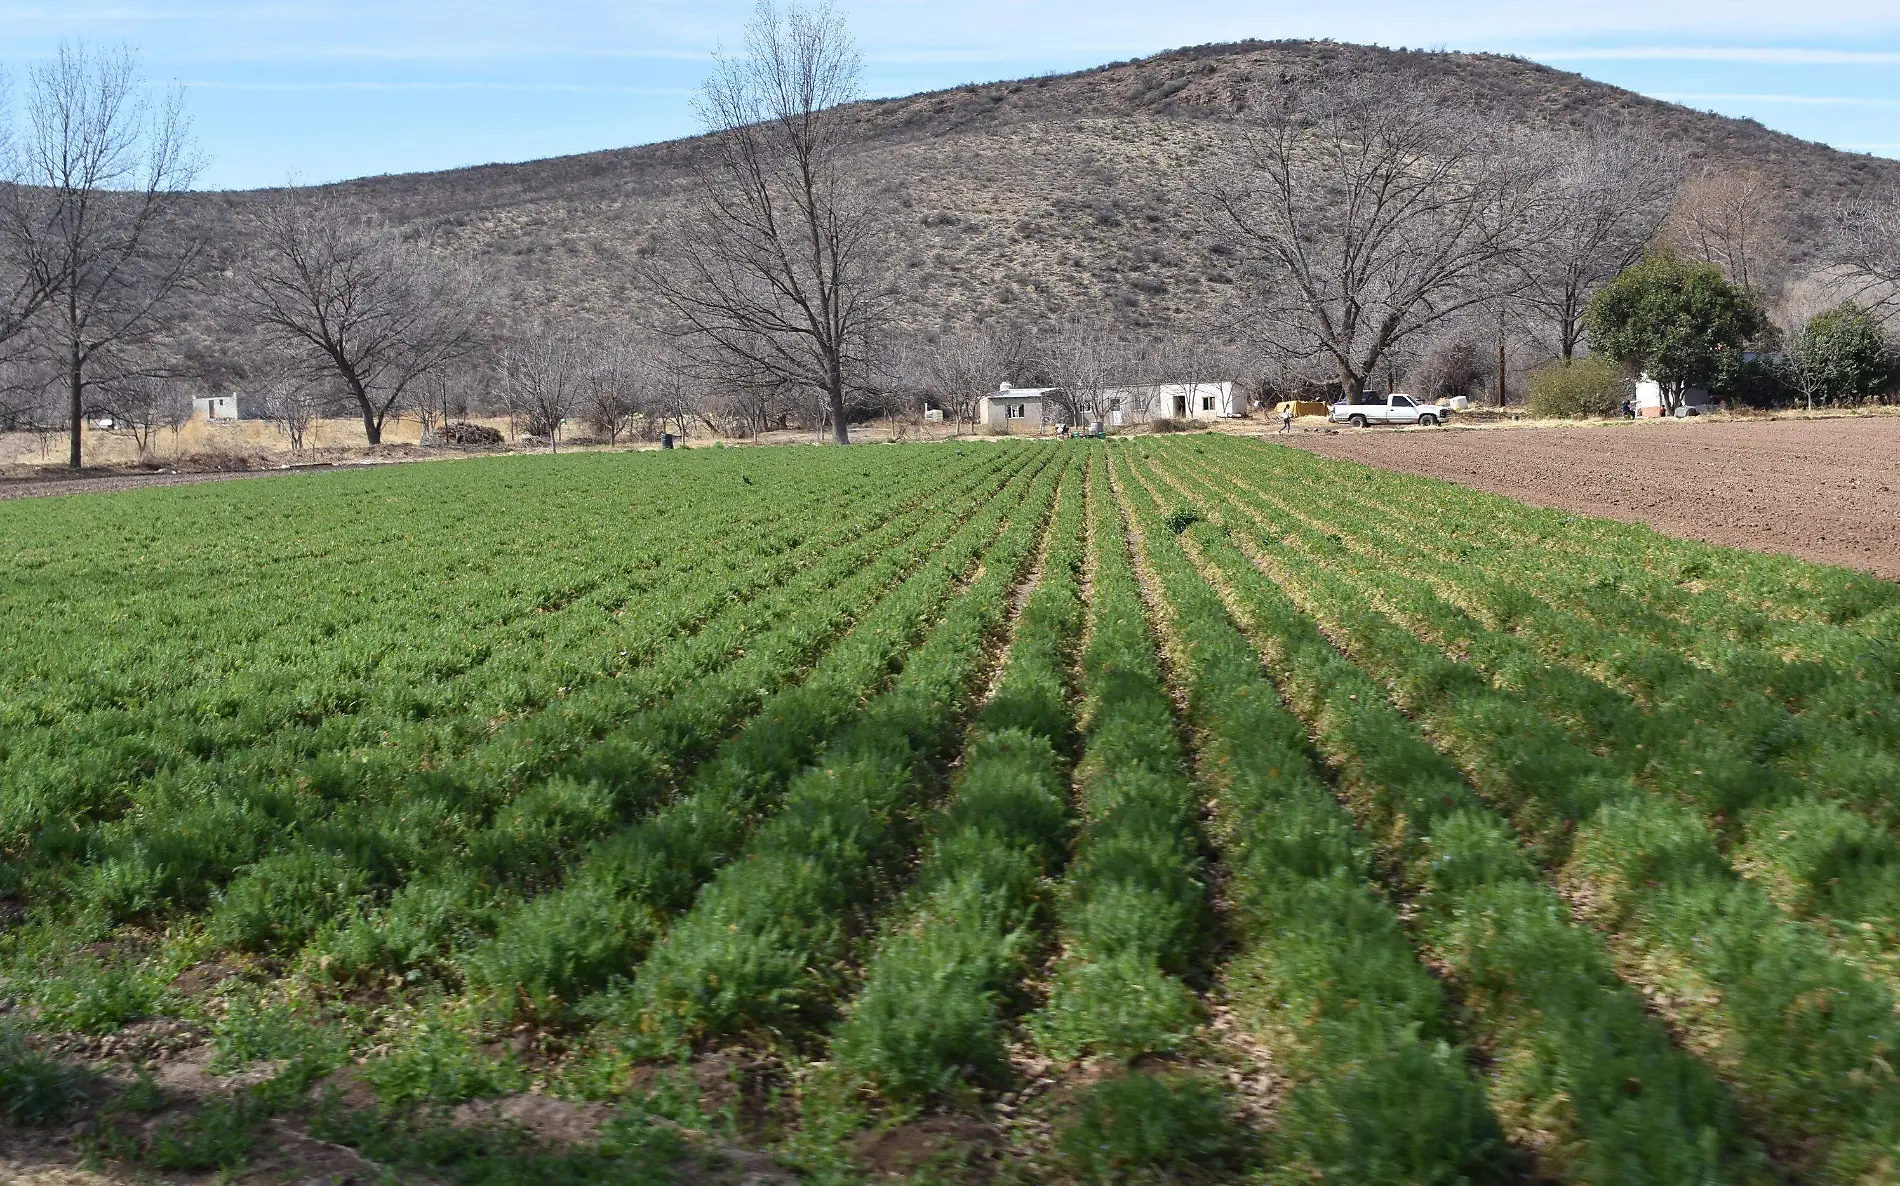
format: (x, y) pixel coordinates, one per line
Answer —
(1035, 197)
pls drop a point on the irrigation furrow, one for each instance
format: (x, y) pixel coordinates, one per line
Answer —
(1324, 975)
(1802, 1036)
(1708, 746)
(1579, 1073)
(570, 943)
(767, 947)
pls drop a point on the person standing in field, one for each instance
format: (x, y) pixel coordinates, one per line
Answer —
(1286, 418)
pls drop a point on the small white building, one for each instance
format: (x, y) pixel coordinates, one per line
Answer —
(1015, 409)
(215, 407)
(1649, 398)
(1208, 400)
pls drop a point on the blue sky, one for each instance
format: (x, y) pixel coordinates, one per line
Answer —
(319, 90)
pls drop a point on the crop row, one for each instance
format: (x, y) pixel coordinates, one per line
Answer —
(1803, 1038)
(1777, 781)
(1134, 909)
(927, 1025)
(176, 734)
(1325, 974)
(420, 637)
(362, 827)
(541, 954)
(767, 943)
(1649, 588)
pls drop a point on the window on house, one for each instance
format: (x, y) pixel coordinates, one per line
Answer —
(1207, 403)
(1114, 405)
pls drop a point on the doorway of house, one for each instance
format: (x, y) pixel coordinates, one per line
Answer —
(1180, 407)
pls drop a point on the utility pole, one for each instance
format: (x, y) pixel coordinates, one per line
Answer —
(1500, 355)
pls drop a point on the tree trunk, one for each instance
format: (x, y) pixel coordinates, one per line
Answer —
(76, 386)
(1350, 385)
(834, 401)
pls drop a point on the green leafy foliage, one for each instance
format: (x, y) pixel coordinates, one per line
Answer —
(35, 1088)
(1136, 1127)
(734, 774)
(1841, 355)
(1672, 318)
(1588, 386)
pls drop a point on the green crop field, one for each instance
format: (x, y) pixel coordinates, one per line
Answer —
(1183, 809)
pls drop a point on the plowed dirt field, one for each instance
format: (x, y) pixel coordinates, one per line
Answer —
(1823, 490)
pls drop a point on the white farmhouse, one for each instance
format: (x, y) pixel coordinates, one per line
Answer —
(215, 407)
(1015, 409)
(1208, 400)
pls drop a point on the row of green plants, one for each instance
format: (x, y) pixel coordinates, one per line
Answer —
(1134, 913)
(1776, 782)
(537, 956)
(354, 832)
(947, 971)
(1712, 583)
(1843, 673)
(1578, 1071)
(768, 945)
(47, 780)
(1381, 1089)
(1802, 1036)
(321, 645)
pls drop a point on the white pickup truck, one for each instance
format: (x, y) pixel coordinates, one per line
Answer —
(1388, 409)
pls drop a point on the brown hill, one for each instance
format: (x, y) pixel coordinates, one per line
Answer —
(1033, 197)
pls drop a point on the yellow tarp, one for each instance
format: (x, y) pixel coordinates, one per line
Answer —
(1302, 407)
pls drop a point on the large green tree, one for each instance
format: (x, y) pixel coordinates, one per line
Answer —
(1841, 354)
(1674, 319)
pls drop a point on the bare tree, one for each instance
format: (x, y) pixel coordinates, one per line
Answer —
(87, 207)
(1863, 247)
(139, 405)
(1371, 217)
(1085, 359)
(1727, 219)
(352, 300)
(610, 388)
(434, 397)
(777, 258)
(26, 395)
(1606, 193)
(22, 289)
(293, 401)
(544, 382)
(959, 368)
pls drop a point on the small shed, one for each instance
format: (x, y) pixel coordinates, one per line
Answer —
(215, 407)
(1016, 409)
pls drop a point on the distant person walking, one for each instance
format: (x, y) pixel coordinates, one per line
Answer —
(1629, 410)
(1286, 419)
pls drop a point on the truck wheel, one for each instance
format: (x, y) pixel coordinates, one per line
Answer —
(1356, 421)
(1428, 421)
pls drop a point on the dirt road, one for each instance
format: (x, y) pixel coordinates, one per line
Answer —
(1826, 490)
(87, 483)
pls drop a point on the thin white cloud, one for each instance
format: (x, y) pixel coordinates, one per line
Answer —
(1744, 97)
(1770, 55)
(216, 84)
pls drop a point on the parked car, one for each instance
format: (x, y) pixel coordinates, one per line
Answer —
(1388, 409)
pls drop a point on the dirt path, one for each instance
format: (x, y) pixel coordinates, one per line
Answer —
(1826, 490)
(104, 483)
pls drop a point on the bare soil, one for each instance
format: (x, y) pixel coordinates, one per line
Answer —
(1821, 489)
